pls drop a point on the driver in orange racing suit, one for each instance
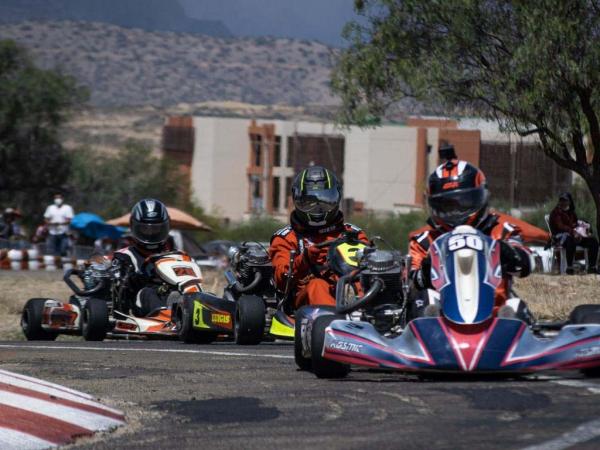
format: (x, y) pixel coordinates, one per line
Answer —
(457, 194)
(316, 218)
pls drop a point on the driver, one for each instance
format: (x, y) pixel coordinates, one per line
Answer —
(149, 224)
(457, 194)
(316, 218)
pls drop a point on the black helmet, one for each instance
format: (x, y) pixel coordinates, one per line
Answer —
(149, 223)
(317, 194)
(457, 194)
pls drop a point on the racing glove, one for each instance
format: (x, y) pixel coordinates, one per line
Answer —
(422, 276)
(514, 260)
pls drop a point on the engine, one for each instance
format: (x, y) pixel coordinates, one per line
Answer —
(247, 262)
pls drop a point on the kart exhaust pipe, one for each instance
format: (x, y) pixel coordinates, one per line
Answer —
(344, 308)
(76, 289)
(236, 285)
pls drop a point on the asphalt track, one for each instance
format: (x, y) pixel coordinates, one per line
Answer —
(223, 396)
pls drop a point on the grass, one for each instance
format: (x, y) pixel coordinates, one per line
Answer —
(550, 297)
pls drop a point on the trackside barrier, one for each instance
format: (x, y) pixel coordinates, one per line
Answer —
(34, 259)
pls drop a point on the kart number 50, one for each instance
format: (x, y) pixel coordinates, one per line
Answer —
(465, 240)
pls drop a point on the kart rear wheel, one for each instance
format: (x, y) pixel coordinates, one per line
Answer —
(94, 320)
(249, 326)
(31, 321)
(187, 333)
(585, 314)
(302, 362)
(324, 368)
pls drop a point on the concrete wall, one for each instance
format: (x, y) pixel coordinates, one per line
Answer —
(381, 167)
(219, 182)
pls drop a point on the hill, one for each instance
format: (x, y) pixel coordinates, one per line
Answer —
(152, 15)
(131, 67)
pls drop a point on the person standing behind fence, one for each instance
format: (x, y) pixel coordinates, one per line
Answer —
(570, 232)
(58, 216)
(9, 228)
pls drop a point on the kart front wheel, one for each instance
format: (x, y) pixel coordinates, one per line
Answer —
(187, 333)
(31, 321)
(302, 362)
(585, 314)
(94, 320)
(249, 320)
(324, 368)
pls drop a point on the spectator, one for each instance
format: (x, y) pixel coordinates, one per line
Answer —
(9, 227)
(41, 234)
(58, 216)
(570, 232)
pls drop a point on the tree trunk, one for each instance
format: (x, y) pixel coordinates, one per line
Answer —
(594, 187)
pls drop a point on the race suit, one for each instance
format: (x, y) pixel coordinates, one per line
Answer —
(136, 292)
(309, 287)
(515, 257)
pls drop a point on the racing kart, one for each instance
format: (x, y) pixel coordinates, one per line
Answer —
(462, 335)
(369, 289)
(97, 309)
(259, 306)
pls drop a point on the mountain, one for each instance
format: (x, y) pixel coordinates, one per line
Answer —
(130, 66)
(152, 15)
(320, 20)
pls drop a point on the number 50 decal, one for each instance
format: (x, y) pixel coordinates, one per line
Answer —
(465, 240)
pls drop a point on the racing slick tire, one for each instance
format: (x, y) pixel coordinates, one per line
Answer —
(31, 321)
(249, 327)
(94, 320)
(302, 362)
(187, 333)
(324, 368)
(585, 314)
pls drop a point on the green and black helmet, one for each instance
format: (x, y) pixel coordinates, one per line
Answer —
(317, 194)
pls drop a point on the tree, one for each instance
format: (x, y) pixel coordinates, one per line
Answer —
(110, 184)
(34, 103)
(534, 66)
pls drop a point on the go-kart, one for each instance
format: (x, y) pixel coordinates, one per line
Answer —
(259, 305)
(97, 309)
(462, 335)
(369, 289)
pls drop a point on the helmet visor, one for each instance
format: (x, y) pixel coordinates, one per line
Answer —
(455, 207)
(150, 233)
(319, 201)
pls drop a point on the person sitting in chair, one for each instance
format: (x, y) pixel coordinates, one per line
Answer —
(569, 232)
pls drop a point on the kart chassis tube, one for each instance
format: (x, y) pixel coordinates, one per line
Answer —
(343, 308)
(75, 288)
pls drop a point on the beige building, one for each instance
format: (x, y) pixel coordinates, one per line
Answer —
(239, 167)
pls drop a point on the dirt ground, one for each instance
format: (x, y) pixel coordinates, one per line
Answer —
(549, 296)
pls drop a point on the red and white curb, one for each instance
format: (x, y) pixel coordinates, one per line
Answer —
(36, 414)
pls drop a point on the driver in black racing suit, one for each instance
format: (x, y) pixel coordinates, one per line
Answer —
(149, 224)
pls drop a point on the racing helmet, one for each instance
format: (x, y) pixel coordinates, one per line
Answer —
(149, 224)
(316, 193)
(457, 194)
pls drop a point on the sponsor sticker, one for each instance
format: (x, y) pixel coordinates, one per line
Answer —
(346, 346)
(221, 319)
(587, 352)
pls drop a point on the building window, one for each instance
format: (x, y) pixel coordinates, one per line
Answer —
(256, 140)
(277, 152)
(276, 190)
(288, 192)
(290, 153)
(257, 201)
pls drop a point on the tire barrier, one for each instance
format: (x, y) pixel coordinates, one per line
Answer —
(31, 259)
